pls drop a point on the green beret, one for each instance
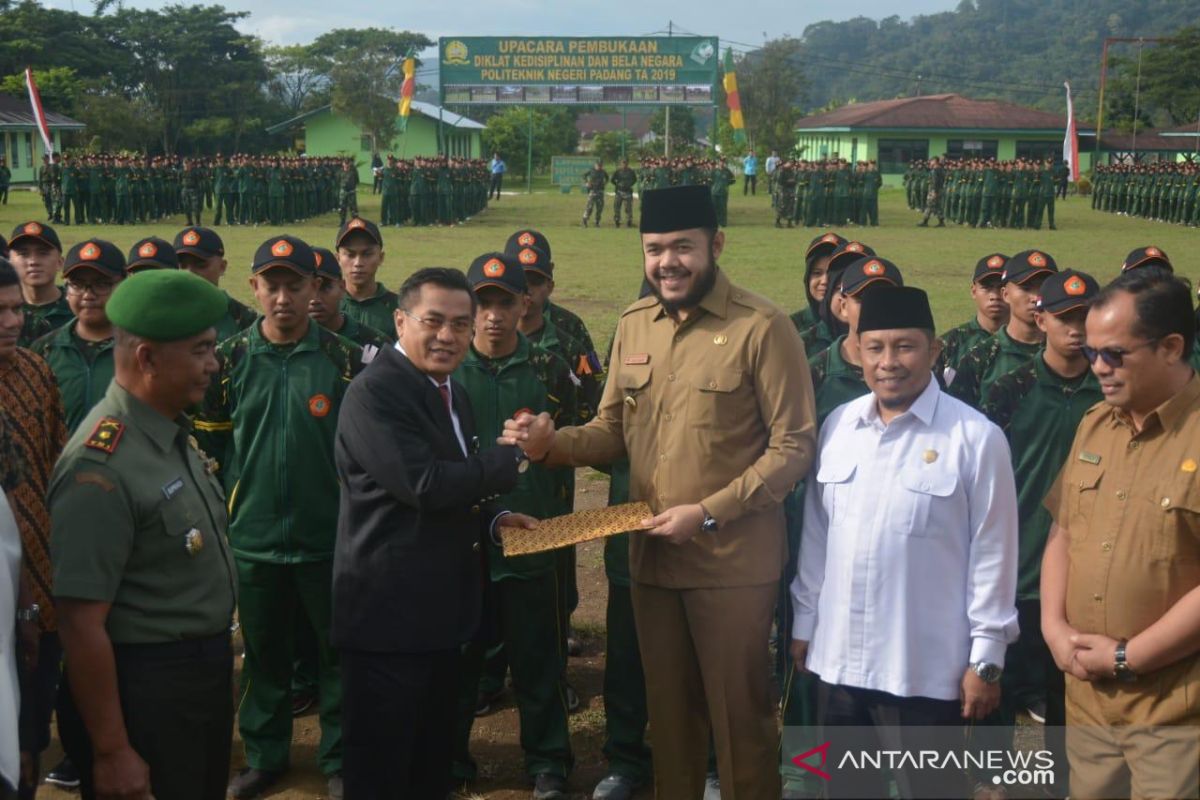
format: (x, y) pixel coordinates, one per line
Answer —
(166, 305)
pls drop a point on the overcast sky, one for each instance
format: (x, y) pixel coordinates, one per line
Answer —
(747, 21)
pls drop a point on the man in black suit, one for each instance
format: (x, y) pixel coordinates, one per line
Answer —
(409, 567)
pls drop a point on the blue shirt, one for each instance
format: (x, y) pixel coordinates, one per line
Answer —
(498, 166)
(750, 165)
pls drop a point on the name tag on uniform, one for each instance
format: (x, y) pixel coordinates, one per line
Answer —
(173, 488)
(1088, 458)
(637, 359)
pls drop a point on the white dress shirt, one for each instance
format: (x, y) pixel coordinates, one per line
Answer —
(908, 558)
(458, 434)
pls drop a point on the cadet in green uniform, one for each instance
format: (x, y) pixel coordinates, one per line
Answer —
(816, 268)
(326, 307)
(80, 353)
(504, 374)
(347, 192)
(829, 323)
(991, 314)
(594, 181)
(36, 254)
(189, 183)
(359, 248)
(151, 253)
(270, 422)
(202, 253)
(143, 579)
(1014, 344)
(623, 181)
(871, 183)
(70, 191)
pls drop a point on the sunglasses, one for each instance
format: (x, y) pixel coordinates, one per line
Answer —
(1114, 356)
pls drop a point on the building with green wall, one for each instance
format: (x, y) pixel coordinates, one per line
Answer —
(895, 132)
(321, 132)
(20, 142)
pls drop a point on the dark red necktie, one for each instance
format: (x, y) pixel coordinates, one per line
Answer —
(444, 388)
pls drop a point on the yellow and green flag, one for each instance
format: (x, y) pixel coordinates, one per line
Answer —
(732, 100)
(407, 89)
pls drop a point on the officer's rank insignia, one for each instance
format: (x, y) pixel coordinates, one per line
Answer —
(210, 464)
(1189, 465)
(319, 405)
(1088, 458)
(720, 339)
(930, 456)
(105, 435)
(193, 541)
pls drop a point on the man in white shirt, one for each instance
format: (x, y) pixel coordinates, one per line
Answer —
(772, 165)
(905, 596)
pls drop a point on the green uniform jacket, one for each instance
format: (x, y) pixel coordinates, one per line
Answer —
(376, 312)
(803, 319)
(533, 379)
(1038, 410)
(835, 380)
(816, 338)
(955, 344)
(56, 314)
(138, 521)
(236, 319)
(83, 370)
(269, 418)
(363, 336)
(987, 361)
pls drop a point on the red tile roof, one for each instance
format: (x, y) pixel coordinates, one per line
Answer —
(937, 111)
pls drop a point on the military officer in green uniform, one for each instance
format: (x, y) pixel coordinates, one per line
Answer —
(504, 374)
(389, 204)
(1038, 406)
(326, 307)
(594, 181)
(35, 252)
(202, 253)
(623, 181)
(359, 249)
(80, 353)
(347, 191)
(189, 182)
(1017, 342)
(991, 314)
(70, 191)
(785, 193)
(270, 421)
(143, 579)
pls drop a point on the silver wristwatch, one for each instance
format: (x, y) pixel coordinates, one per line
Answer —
(987, 671)
(31, 614)
(1121, 669)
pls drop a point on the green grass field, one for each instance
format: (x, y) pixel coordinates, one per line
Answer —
(598, 270)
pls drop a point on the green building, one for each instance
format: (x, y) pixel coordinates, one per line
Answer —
(321, 132)
(20, 142)
(895, 132)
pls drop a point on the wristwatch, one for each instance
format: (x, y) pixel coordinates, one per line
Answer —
(1121, 668)
(31, 614)
(987, 671)
(709, 525)
(522, 462)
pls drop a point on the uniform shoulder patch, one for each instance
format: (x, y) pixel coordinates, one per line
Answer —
(106, 435)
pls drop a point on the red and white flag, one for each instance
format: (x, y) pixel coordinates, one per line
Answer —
(1071, 140)
(39, 116)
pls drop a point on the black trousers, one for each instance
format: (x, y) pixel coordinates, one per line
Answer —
(398, 714)
(750, 183)
(177, 701)
(497, 182)
(39, 693)
(900, 723)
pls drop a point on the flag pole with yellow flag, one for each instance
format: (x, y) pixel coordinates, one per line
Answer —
(407, 88)
(733, 100)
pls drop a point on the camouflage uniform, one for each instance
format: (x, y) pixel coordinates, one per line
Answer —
(623, 179)
(987, 361)
(955, 344)
(594, 180)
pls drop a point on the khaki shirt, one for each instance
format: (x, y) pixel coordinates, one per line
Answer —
(716, 410)
(1130, 504)
(138, 521)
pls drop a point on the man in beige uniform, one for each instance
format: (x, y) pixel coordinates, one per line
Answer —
(1121, 572)
(709, 396)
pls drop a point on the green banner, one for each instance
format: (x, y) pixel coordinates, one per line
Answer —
(569, 170)
(647, 70)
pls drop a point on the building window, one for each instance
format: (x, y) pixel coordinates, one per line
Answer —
(14, 140)
(972, 148)
(894, 155)
(364, 144)
(1039, 151)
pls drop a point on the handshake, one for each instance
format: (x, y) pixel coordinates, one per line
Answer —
(533, 434)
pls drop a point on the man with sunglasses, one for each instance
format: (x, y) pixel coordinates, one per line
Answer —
(1120, 581)
(1018, 342)
(80, 353)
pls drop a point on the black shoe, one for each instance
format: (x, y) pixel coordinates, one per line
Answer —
(615, 787)
(485, 700)
(252, 782)
(1037, 712)
(64, 775)
(302, 701)
(572, 699)
(549, 787)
